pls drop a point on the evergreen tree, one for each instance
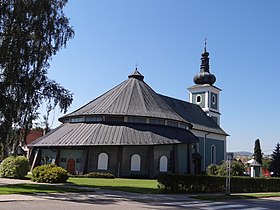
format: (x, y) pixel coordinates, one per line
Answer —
(258, 152)
(275, 163)
(31, 32)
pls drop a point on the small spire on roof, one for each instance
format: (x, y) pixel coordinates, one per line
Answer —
(136, 74)
(205, 43)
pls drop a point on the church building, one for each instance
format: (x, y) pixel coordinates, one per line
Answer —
(132, 131)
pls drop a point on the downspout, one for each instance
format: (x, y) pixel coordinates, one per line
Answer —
(204, 153)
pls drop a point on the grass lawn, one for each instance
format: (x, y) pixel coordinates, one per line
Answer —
(34, 188)
(129, 185)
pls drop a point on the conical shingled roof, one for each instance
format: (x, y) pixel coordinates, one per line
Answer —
(133, 97)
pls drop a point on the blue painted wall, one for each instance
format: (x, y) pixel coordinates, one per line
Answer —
(220, 151)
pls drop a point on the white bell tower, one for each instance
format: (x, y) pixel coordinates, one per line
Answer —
(204, 93)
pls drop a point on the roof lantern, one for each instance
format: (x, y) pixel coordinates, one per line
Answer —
(137, 75)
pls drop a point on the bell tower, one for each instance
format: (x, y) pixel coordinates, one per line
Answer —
(204, 93)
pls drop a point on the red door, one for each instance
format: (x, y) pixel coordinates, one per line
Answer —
(71, 166)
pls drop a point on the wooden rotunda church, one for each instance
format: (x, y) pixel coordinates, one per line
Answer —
(133, 131)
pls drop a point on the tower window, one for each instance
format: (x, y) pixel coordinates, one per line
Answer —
(213, 99)
(198, 99)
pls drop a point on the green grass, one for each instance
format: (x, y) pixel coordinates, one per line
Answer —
(35, 188)
(129, 185)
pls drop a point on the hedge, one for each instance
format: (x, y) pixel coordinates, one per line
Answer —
(100, 175)
(174, 183)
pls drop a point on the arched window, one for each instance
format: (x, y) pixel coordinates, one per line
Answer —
(102, 161)
(213, 154)
(135, 162)
(163, 164)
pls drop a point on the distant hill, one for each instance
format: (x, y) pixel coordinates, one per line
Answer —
(243, 153)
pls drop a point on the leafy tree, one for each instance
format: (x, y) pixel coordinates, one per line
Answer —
(266, 163)
(275, 162)
(212, 169)
(258, 152)
(31, 32)
(237, 168)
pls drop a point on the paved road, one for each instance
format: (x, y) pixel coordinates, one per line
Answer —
(110, 200)
(251, 204)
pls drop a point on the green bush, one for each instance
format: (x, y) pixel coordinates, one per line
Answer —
(205, 184)
(49, 173)
(191, 183)
(212, 169)
(237, 168)
(14, 167)
(100, 175)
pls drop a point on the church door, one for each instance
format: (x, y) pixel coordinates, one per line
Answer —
(71, 166)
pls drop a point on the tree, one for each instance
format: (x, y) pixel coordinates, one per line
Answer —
(265, 165)
(212, 169)
(275, 162)
(31, 32)
(237, 169)
(258, 152)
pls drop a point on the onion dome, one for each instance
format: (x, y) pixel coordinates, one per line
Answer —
(204, 77)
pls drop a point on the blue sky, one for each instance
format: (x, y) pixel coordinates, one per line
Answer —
(165, 38)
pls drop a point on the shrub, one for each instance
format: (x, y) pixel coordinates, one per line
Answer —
(14, 167)
(212, 169)
(205, 184)
(191, 183)
(237, 168)
(100, 175)
(49, 173)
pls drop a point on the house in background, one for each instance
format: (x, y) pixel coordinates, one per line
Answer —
(133, 131)
(32, 135)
